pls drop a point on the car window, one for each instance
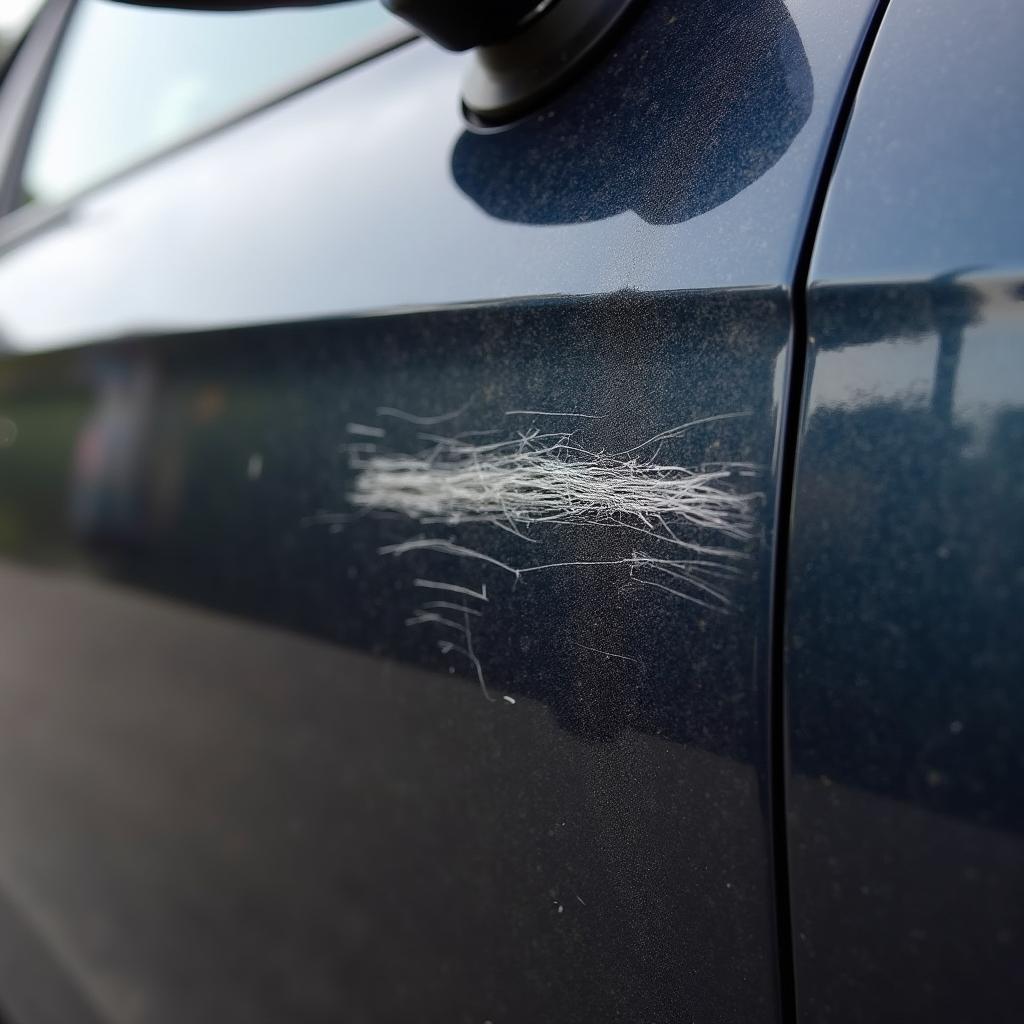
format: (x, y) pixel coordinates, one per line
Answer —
(130, 80)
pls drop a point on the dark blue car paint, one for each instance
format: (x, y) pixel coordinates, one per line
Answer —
(905, 673)
(269, 828)
(208, 816)
(293, 227)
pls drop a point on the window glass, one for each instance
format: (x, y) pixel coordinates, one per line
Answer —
(129, 81)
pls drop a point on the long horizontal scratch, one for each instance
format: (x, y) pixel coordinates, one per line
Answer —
(453, 588)
(681, 569)
(567, 415)
(362, 430)
(445, 547)
(608, 654)
(693, 573)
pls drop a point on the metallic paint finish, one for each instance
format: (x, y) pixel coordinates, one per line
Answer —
(905, 663)
(243, 785)
(380, 837)
(368, 193)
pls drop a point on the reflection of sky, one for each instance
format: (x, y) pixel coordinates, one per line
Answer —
(879, 371)
(935, 148)
(133, 80)
(989, 377)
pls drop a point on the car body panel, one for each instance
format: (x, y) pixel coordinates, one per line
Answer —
(246, 777)
(698, 175)
(484, 841)
(904, 665)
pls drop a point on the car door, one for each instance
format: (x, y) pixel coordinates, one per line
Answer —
(903, 649)
(388, 511)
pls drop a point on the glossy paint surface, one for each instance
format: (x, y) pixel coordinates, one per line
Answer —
(905, 671)
(247, 778)
(684, 160)
(595, 847)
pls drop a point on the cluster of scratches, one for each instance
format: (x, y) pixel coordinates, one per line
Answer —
(546, 478)
(549, 478)
(538, 479)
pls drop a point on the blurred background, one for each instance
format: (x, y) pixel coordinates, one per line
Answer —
(14, 17)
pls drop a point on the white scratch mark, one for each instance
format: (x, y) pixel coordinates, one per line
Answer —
(608, 654)
(447, 647)
(536, 480)
(674, 432)
(678, 593)
(362, 430)
(445, 547)
(686, 571)
(567, 415)
(453, 588)
(418, 618)
(511, 700)
(476, 661)
(693, 573)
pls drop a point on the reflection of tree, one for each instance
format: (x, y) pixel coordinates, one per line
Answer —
(907, 606)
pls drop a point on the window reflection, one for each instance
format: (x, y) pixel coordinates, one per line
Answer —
(130, 81)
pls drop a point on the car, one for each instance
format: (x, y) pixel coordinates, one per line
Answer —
(520, 529)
